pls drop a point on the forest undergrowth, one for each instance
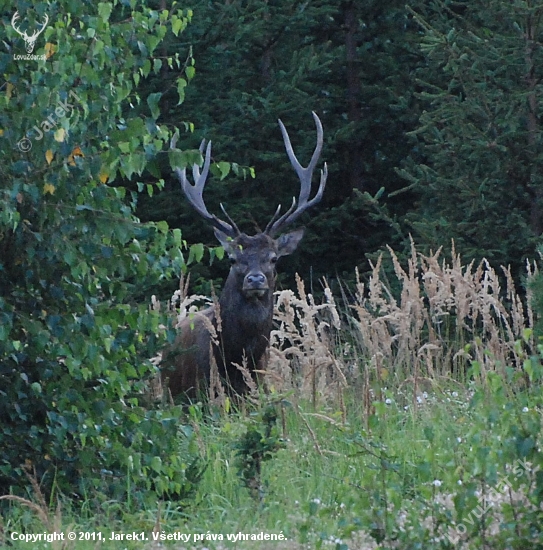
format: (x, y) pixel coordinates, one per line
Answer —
(404, 413)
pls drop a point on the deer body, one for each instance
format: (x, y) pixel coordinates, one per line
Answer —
(246, 302)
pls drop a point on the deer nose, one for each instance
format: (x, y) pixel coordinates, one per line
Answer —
(255, 280)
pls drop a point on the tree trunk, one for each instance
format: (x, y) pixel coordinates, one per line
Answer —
(534, 185)
(353, 94)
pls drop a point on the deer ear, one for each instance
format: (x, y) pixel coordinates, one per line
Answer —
(225, 240)
(287, 243)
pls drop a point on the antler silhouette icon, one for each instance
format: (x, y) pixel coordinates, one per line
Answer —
(30, 41)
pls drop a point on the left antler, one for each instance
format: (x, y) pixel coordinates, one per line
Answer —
(305, 175)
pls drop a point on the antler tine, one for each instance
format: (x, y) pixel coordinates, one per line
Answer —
(274, 217)
(236, 228)
(43, 25)
(305, 175)
(194, 193)
(200, 179)
(15, 17)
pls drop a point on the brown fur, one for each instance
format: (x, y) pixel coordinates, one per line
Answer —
(246, 302)
(246, 310)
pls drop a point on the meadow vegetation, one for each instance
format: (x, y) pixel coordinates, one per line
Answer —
(403, 413)
(402, 410)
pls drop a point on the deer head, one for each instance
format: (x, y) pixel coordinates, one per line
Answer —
(240, 247)
(30, 41)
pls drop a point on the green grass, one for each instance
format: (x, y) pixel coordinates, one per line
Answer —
(406, 420)
(400, 477)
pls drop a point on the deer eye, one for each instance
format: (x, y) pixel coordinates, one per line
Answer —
(233, 260)
(273, 259)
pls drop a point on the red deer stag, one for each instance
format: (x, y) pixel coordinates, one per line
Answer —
(246, 302)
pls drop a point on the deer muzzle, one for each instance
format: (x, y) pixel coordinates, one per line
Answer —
(255, 285)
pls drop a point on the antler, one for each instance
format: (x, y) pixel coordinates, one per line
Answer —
(13, 19)
(29, 40)
(305, 175)
(194, 193)
(16, 16)
(44, 24)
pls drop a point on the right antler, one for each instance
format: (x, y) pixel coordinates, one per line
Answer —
(305, 175)
(194, 193)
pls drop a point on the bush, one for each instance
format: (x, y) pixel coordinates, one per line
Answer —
(75, 261)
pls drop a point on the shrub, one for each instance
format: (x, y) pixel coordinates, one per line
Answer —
(75, 261)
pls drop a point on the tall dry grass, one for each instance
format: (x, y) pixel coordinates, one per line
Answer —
(303, 345)
(445, 316)
(440, 318)
(52, 522)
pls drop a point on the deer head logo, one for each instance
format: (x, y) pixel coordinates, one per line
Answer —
(30, 41)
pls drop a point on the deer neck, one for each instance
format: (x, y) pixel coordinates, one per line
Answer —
(250, 314)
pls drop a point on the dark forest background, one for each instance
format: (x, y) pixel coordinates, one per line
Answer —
(431, 117)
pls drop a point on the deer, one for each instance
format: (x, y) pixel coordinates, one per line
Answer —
(30, 41)
(246, 303)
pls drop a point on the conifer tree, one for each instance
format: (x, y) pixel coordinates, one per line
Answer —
(258, 61)
(479, 174)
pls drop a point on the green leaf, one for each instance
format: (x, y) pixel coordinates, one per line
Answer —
(176, 233)
(152, 101)
(181, 85)
(196, 253)
(146, 68)
(104, 10)
(190, 72)
(224, 168)
(219, 252)
(162, 226)
(177, 25)
(156, 464)
(524, 446)
(107, 344)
